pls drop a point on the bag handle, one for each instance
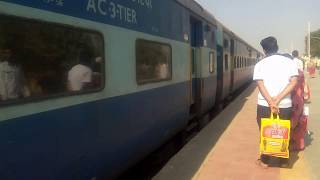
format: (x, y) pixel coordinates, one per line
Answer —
(272, 117)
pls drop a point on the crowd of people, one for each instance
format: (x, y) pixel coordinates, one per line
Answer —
(312, 67)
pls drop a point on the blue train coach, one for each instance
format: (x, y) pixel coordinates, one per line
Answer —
(90, 87)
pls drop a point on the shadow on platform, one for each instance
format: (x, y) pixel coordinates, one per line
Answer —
(308, 139)
(195, 152)
(294, 155)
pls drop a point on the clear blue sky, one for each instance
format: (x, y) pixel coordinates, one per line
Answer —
(253, 20)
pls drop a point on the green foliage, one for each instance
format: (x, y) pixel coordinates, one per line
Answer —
(315, 43)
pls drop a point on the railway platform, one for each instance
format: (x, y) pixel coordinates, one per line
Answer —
(227, 148)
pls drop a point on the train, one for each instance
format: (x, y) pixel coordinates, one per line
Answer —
(154, 66)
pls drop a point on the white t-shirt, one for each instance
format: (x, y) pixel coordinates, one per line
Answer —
(275, 71)
(78, 75)
(298, 63)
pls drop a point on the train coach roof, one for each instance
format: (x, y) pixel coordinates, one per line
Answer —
(198, 9)
(233, 35)
(195, 7)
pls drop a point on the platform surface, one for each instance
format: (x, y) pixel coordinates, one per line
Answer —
(227, 148)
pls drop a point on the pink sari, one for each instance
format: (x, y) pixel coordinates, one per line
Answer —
(298, 120)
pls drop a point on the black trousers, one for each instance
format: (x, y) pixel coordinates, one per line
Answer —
(265, 112)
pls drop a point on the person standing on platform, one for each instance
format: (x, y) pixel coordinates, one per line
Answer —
(297, 61)
(298, 120)
(276, 77)
(318, 65)
(311, 69)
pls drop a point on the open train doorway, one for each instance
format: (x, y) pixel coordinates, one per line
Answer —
(233, 63)
(196, 41)
(219, 75)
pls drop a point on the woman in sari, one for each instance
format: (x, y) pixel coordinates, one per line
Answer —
(298, 120)
(311, 69)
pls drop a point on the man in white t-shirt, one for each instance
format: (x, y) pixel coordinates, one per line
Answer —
(80, 75)
(297, 61)
(276, 76)
(12, 80)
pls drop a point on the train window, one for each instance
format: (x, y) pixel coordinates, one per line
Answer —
(211, 62)
(153, 61)
(41, 60)
(237, 62)
(226, 62)
(241, 64)
(226, 43)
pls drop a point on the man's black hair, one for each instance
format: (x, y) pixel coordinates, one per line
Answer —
(295, 53)
(269, 45)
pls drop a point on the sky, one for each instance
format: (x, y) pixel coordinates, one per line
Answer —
(253, 20)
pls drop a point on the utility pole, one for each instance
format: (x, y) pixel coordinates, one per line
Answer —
(309, 40)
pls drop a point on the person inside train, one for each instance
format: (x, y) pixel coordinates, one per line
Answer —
(276, 76)
(162, 70)
(80, 75)
(97, 72)
(12, 79)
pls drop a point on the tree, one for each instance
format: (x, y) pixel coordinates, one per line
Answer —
(315, 43)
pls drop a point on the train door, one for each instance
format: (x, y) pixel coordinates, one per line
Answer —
(196, 40)
(219, 74)
(232, 58)
(226, 68)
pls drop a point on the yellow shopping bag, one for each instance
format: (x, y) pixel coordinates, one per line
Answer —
(275, 137)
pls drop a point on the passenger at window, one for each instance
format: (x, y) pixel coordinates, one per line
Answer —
(80, 75)
(34, 84)
(12, 80)
(97, 74)
(97, 66)
(162, 71)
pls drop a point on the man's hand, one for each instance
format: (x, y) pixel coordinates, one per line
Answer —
(274, 107)
(273, 102)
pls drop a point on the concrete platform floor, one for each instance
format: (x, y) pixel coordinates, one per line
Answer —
(227, 148)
